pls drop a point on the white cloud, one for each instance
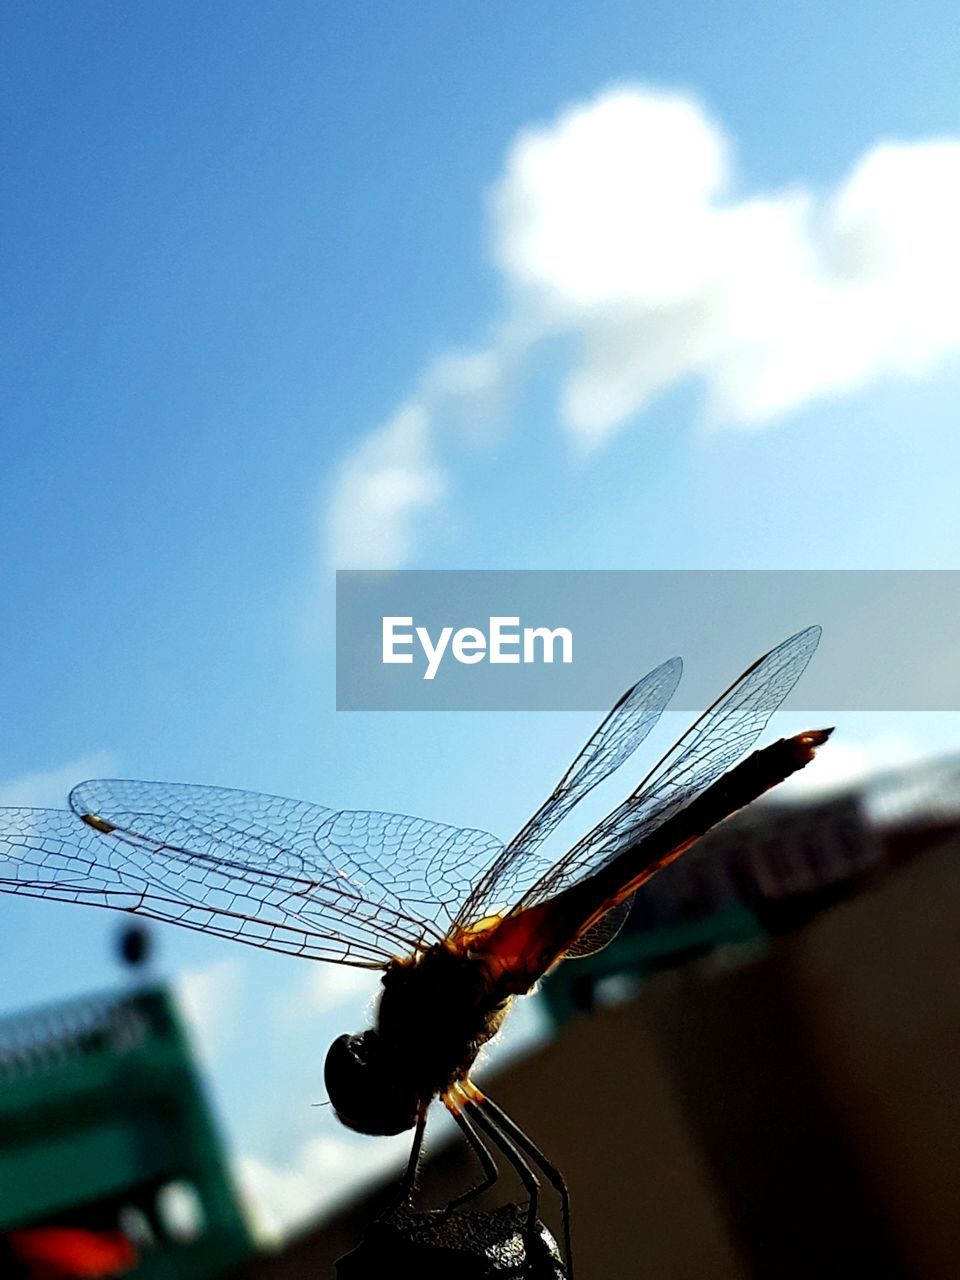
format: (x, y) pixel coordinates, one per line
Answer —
(327, 987)
(620, 226)
(623, 221)
(390, 478)
(209, 999)
(394, 476)
(610, 204)
(49, 788)
(328, 1167)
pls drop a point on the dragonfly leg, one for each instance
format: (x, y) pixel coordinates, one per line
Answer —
(527, 1176)
(551, 1172)
(409, 1180)
(486, 1160)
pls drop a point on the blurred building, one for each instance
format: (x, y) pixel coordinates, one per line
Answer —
(780, 1098)
(109, 1159)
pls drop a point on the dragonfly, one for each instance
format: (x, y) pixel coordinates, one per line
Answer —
(459, 923)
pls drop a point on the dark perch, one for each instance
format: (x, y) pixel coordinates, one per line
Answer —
(437, 1245)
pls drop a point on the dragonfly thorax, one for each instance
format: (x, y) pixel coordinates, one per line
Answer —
(436, 1012)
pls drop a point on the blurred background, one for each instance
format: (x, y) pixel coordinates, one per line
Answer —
(498, 287)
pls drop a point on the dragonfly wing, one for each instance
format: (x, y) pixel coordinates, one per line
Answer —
(274, 873)
(626, 725)
(602, 933)
(712, 745)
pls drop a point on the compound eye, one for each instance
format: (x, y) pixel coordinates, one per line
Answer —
(363, 1090)
(346, 1073)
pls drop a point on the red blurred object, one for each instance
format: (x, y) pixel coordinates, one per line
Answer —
(71, 1253)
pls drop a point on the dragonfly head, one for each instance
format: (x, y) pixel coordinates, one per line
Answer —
(364, 1088)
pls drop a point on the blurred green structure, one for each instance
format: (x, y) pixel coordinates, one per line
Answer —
(104, 1126)
(638, 955)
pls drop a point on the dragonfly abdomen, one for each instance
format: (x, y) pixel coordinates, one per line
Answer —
(744, 783)
(529, 942)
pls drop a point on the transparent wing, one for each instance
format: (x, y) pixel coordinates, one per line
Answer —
(284, 875)
(616, 738)
(711, 746)
(602, 933)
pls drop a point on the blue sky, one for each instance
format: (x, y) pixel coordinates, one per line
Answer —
(242, 243)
